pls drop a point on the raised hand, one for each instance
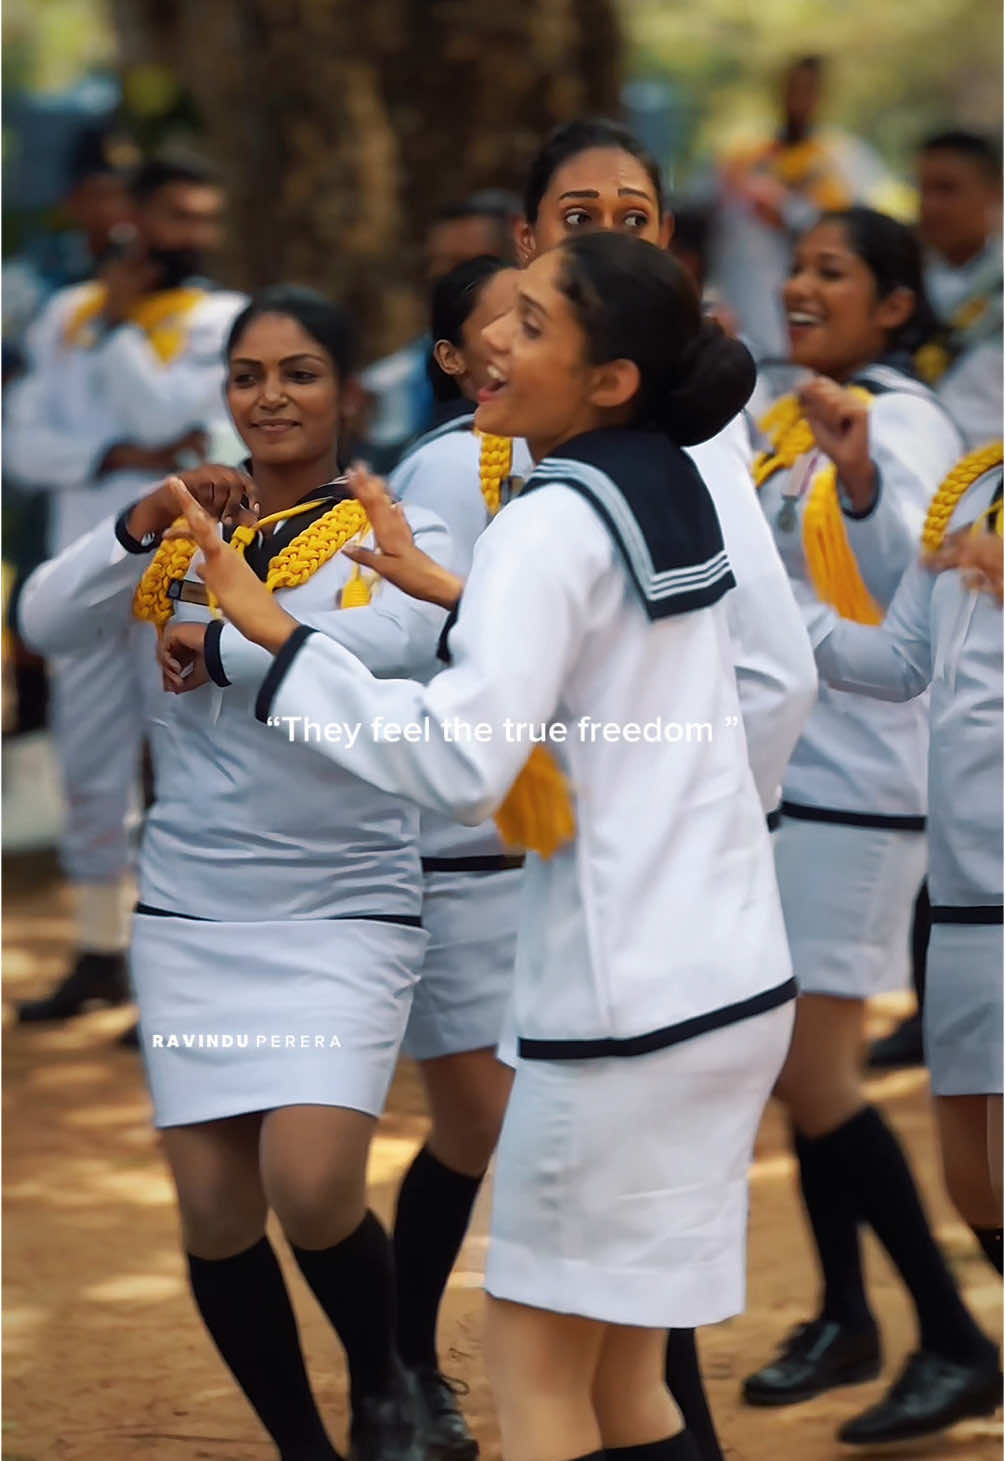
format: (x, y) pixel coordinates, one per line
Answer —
(244, 599)
(978, 557)
(839, 420)
(398, 559)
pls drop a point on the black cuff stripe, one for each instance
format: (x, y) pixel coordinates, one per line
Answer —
(774, 819)
(211, 654)
(604, 1048)
(443, 648)
(125, 537)
(858, 517)
(881, 820)
(491, 863)
(976, 913)
(277, 671)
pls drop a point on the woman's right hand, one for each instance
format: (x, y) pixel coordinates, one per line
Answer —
(398, 559)
(218, 490)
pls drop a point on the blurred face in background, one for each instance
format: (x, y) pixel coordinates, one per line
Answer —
(97, 204)
(602, 188)
(182, 216)
(455, 240)
(960, 204)
(801, 98)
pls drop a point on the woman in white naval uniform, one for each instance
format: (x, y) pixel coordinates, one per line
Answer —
(278, 934)
(593, 174)
(852, 463)
(652, 971)
(471, 881)
(940, 631)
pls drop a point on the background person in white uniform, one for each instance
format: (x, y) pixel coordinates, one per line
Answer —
(852, 463)
(278, 936)
(960, 179)
(124, 383)
(471, 881)
(595, 597)
(941, 630)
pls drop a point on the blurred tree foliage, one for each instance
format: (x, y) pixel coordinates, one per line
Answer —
(343, 126)
(899, 68)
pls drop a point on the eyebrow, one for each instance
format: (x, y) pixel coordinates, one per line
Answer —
(286, 360)
(592, 193)
(525, 298)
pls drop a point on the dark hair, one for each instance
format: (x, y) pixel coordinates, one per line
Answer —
(159, 172)
(570, 139)
(976, 149)
(892, 254)
(634, 301)
(325, 322)
(455, 297)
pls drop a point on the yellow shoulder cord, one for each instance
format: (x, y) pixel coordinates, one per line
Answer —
(161, 316)
(943, 504)
(291, 567)
(537, 813)
(832, 567)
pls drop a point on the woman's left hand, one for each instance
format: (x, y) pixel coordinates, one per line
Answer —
(839, 420)
(244, 599)
(978, 558)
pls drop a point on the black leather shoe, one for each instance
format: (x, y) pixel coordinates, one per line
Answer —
(816, 1357)
(94, 979)
(443, 1428)
(385, 1427)
(930, 1394)
(903, 1046)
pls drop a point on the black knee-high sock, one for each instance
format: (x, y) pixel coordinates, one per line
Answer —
(875, 1169)
(434, 1209)
(683, 1375)
(353, 1281)
(921, 932)
(834, 1218)
(681, 1447)
(245, 1307)
(990, 1240)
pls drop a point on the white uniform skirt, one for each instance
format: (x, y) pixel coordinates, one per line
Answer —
(238, 1017)
(467, 973)
(963, 1009)
(620, 1190)
(847, 896)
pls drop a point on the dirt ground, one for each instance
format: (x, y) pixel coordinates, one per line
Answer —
(107, 1361)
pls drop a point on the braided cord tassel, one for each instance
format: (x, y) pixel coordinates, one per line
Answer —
(494, 463)
(943, 504)
(170, 562)
(829, 555)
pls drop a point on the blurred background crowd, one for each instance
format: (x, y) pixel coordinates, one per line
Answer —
(366, 149)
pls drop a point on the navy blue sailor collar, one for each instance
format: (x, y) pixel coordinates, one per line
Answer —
(657, 508)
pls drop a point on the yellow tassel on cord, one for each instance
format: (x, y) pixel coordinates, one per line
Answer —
(291, 567)
(537, 814)
(943, 504)
(829, 557)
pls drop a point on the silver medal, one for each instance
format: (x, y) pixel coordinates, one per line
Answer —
(787, 516)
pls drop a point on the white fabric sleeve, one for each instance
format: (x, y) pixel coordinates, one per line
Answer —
(971, 391)
(157, 401)
(889, 661)
(38, 451)
(522, 620)
(83, 595)
(913, 444)
(393, 635)
(775, 672)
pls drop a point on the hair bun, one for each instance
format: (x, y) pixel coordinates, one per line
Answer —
(715, 379)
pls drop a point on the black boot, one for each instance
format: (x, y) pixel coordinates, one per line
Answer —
(443, 1428)
(930, 1394)
(94, 979)
(385, 1427)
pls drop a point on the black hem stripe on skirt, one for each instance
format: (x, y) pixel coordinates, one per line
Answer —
(973, 913)
(629, 1045)
(883, 820)
(490, 863)
(406, 920)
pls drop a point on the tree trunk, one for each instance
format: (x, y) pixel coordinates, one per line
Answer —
(342, 126)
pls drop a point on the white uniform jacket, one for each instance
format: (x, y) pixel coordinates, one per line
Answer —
(858, 755)
(87, 390)
(594, 608)
(246, 827)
